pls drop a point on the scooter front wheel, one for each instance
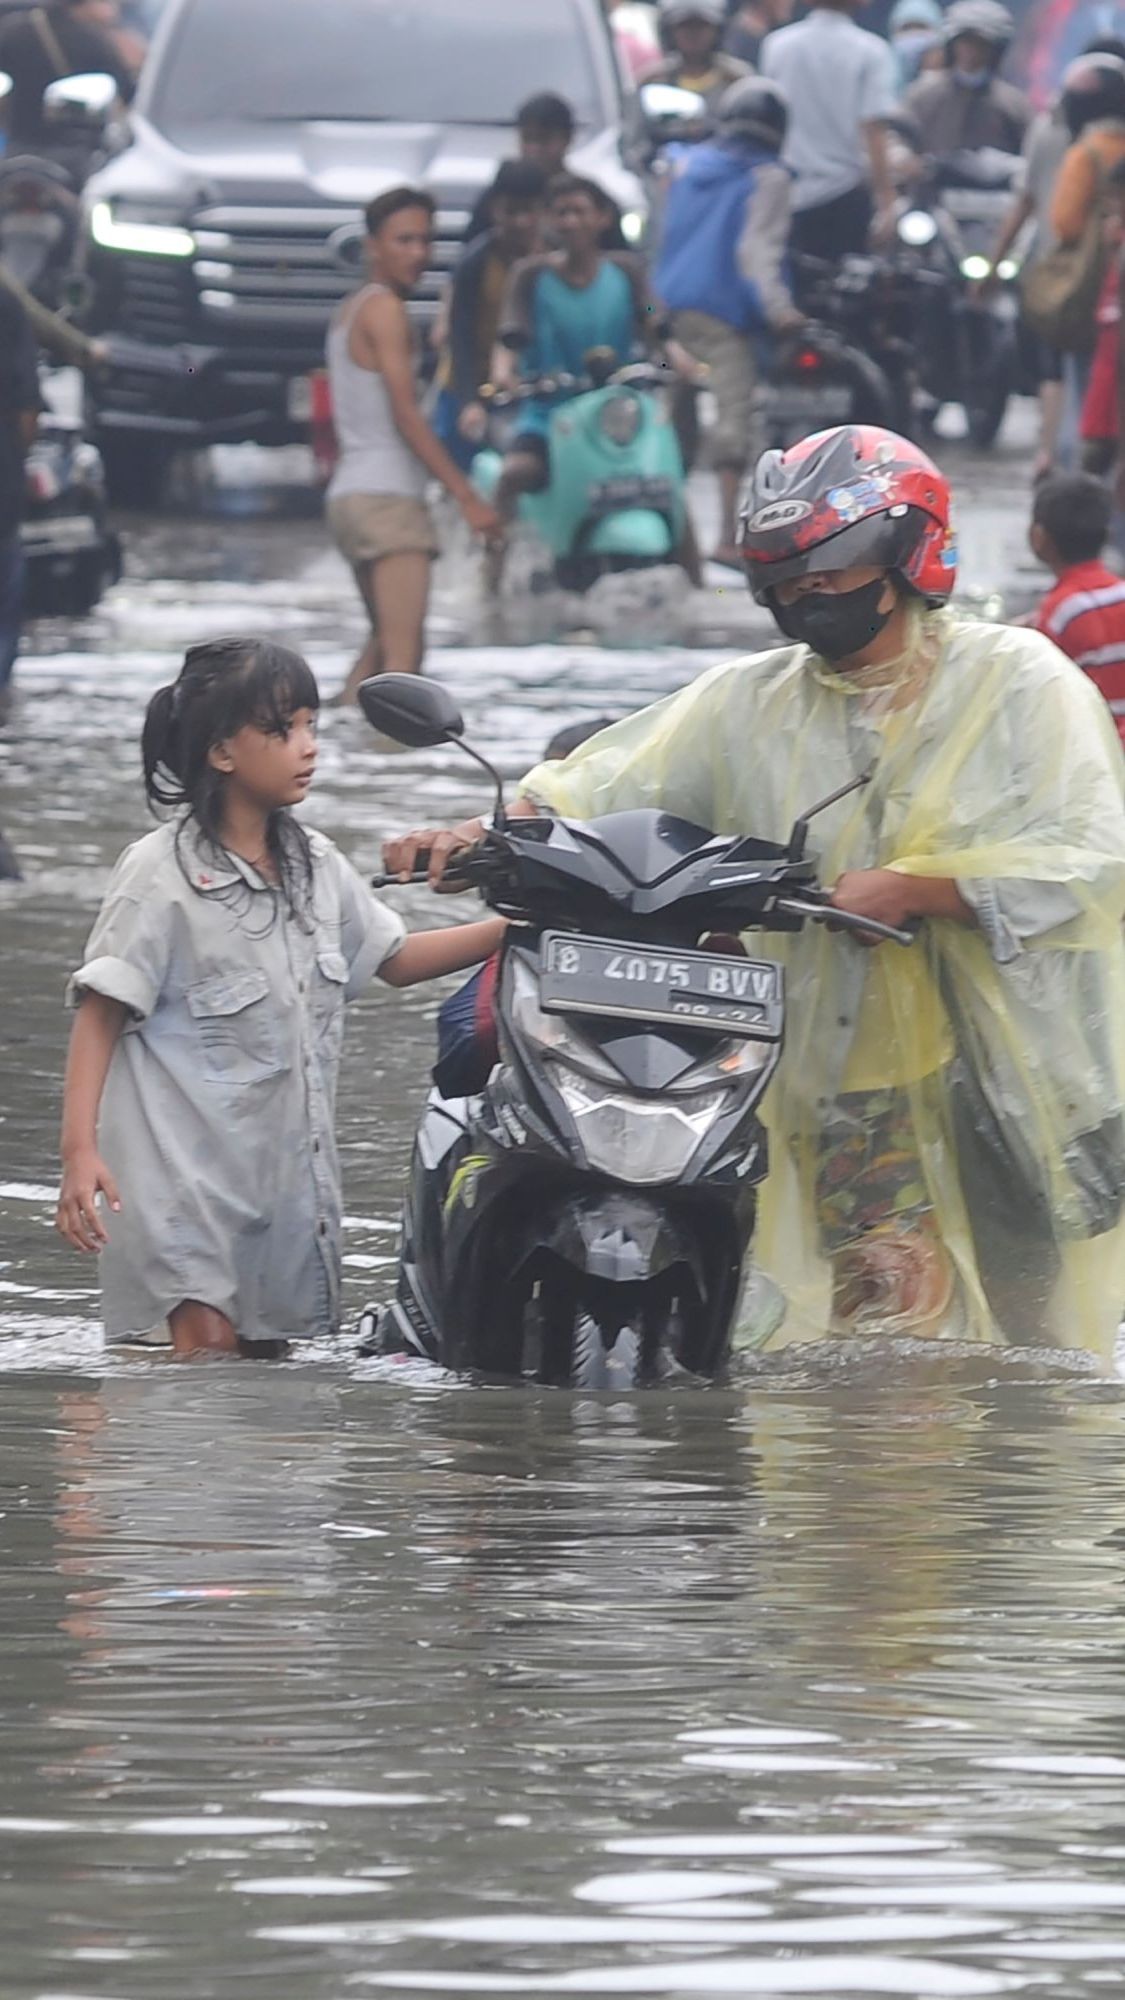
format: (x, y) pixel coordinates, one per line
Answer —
(597, 1365)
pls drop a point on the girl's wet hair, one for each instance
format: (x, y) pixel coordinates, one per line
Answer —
(226, 685)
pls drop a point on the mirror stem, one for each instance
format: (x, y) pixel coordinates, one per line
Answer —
(500, 816)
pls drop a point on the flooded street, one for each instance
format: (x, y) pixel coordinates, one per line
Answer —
(338, 1678)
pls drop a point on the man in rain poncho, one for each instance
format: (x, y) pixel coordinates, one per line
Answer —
(947, 1127)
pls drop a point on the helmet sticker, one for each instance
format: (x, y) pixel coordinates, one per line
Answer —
(862, 497)
(779, 514)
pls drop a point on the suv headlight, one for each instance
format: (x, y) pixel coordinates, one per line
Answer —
(620, 418)
(142, 239)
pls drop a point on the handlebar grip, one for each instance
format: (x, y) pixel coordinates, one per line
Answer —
(825, 913)
(420, 877)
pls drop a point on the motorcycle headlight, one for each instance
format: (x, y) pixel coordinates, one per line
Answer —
(553, 1033)
(145, 239)
(632, 225)
(620, 418)
(631, 1139)
(1007, 269)
(976, 269)
(916, 229)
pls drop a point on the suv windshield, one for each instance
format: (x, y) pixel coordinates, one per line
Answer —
(430, 62)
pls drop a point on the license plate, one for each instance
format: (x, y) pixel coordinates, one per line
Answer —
(733, 996)
(798, 405)
(610, 496)
(301, 399)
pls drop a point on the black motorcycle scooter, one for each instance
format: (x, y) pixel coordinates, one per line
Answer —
(585, 1221)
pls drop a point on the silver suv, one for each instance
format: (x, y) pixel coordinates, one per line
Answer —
(231, 225)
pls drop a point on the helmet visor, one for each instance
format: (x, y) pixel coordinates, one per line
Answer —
(882, 541)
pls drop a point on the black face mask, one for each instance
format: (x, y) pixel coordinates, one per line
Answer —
(835, 624)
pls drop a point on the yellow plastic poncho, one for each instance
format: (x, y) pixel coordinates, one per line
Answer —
(947, 1126)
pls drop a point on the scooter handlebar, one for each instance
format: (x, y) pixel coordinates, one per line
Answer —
(846, 920)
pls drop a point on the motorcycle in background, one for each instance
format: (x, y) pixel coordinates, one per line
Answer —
(854, 360)
(586, 1222)
(616, 499)
(72, 554)
(968, 338)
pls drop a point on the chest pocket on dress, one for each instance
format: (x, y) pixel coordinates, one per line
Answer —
(329, 981)
(237, 1028)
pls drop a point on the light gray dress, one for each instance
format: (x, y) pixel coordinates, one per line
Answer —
(218, 1117)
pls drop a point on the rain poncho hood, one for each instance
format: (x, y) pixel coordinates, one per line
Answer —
(953, 1111)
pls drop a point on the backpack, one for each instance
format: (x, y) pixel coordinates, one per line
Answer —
(1061, 289)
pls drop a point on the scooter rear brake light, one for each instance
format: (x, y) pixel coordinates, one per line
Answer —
(809, 359)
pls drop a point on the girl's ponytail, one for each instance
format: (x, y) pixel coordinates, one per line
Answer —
(160, 749)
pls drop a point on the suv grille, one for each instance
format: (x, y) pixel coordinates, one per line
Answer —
(269, 277)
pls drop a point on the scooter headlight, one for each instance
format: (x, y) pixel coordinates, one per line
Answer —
(620, 418)
(976, 269)
(916, 229)
(553, 1033)
(631, 1139)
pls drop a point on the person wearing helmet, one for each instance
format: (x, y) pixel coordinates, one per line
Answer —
(721, 272)
(692, 32)
(967, 104)
(749, 25)
(947, 1141)
(915, 33)
(841, 85)
(1093, 108)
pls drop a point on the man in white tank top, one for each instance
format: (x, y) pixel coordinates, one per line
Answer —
(376, 503)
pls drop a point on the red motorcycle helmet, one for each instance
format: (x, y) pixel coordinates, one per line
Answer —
(854, 497)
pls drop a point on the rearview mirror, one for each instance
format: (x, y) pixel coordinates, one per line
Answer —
(87, 99)
(667, 110)
(5, 86)
(417, 713)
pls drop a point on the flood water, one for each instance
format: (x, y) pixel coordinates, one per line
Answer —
(336, 1677)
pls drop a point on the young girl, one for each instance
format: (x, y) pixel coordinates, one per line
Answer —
(210, 1015)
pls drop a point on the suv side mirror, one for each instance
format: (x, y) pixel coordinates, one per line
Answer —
(80, 100)
(670, 113)
(410, 710)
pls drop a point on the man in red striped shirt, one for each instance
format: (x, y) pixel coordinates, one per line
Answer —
(1085, 612)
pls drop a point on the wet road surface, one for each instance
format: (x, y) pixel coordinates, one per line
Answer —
(337, 1678)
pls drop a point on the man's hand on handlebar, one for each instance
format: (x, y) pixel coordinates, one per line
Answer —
(432, 848)
(890, 896)
(880, 893)
(435, 849)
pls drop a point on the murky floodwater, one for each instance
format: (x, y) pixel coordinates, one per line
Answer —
(334, 1678)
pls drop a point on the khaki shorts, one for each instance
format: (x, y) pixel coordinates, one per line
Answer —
(733, 379)
(368, 526)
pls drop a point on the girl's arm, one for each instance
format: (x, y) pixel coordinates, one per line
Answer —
(427, 954)
(97, 1029)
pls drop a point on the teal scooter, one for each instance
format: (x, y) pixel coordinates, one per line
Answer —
(616, 498)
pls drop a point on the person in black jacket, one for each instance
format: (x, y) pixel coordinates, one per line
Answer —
(516, 202)
(19, 415)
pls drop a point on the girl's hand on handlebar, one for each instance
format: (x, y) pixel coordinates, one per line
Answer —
(880, 893)
(433, 848)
